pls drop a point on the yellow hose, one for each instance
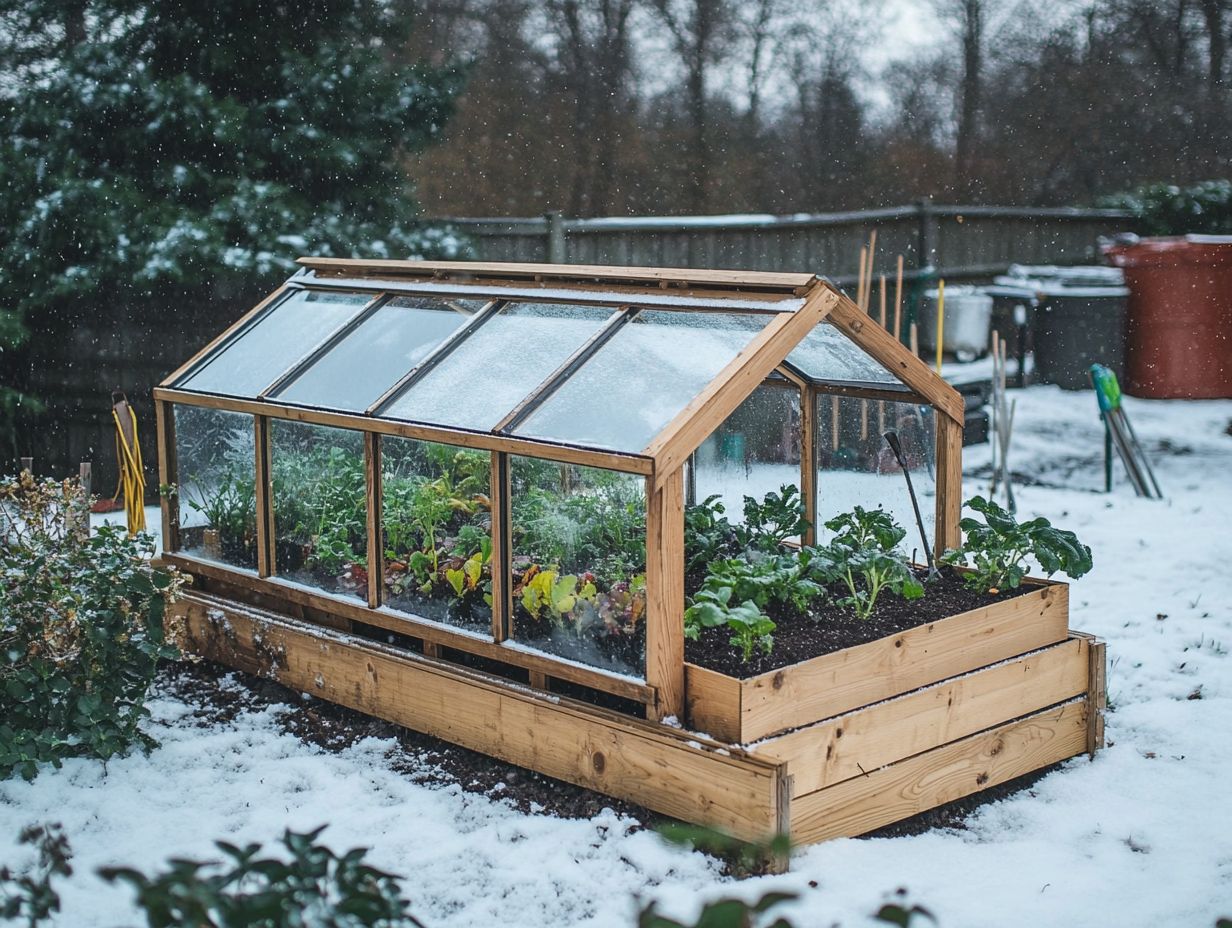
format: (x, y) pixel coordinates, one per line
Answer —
(132, 477)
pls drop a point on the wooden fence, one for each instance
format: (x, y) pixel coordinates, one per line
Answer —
(963, 242)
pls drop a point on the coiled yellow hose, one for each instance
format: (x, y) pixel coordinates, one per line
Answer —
(132, 476)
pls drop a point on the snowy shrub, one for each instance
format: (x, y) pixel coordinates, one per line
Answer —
(81, 628)
(1162, 209)
(309, 885)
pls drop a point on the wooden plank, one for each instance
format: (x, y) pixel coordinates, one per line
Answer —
(168, 470)
(863, 392)
(535, 448)
(743, 280)
(287, 597)
(665, 595)
(674, 773)
(808, 461)
(887, 350)
(1097, 691)
(901, 790)
(225, 335)
(949, 483)
(693, 424)
(713, 703)
(376, 529)
(500, 494)
(868, 739)
(834, 683)
(266, 564)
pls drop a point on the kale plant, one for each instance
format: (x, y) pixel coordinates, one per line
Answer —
(864, 558)
(708, 535)
(998, 547)
(776, 518)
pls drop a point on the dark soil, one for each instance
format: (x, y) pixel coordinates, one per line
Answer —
(830, 628)
(423, 759)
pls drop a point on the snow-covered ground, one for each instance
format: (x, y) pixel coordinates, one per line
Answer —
(1141, 836)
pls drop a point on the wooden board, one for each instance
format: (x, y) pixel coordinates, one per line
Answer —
(949, 484)
(942, 775)
(869, 738)
(665, 596)
(743, 711)
(668, 771)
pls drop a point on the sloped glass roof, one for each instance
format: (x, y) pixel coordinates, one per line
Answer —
(607, 370)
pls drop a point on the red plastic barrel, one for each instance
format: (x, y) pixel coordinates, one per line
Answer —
(1179, 324)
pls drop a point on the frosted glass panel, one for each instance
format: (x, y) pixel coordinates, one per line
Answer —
(828, 354)
(354, 373)
(644, 376)
(498, 365)
(284, 335)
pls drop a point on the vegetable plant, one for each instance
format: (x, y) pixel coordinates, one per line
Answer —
(708, 535)
(712, 607)
(998, 547)
(776, 518)
(864, 558)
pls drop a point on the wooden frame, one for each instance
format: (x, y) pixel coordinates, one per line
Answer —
(926, 715)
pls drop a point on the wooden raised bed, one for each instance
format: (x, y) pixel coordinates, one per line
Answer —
(743, 711)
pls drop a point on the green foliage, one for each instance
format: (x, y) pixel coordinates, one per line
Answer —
(1163, 209)
(82, 628)
(776, 518)
(308, 885)
(904, 916)
(29, 896)
(708, 535)
(998, 547)
(228, 502)
(723, 913)
(863, 557)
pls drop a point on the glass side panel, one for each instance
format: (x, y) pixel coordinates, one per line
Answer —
(754, 452)
(579, 563)
(498, 364)
(282, 336)
(354, 373)
(856, 467)
(438, 532)
(827, 354)
(636, 383)
(216, 455)
(320, 506)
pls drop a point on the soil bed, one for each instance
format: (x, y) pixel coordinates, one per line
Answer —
(829, 628)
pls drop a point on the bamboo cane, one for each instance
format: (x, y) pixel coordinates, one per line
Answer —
(940, 321)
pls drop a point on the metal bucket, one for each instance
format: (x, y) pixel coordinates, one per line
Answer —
(968, 314)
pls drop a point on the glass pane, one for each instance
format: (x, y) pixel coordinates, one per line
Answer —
(216, 455)
(498, 365)
(827, 354)
(856, 466)
(282, 336)
(438, 532)
(754, 452)
(354, 373)
(320, 506)
(579, 563)
(636, 383)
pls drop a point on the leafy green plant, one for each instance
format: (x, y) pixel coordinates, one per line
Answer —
(863, 557)
(311, 886)
(558, 595)
(30, 896)
(1164, 209)
(998, 547)
(83, 625)
(723, 913)
(767, 524)
(227, 501)
(708, 535)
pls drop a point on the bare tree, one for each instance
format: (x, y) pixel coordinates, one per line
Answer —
(969, 17)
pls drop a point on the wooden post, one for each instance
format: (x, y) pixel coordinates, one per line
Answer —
(169, 505)
(376, 546)
(927, 238)
(498, 495)
(665, 595)
(81, 519)
(266, 566)
(808, 460)
(949, 482)
(27, 466)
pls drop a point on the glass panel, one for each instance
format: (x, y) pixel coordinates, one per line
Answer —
(216, 455)
(438, 532)
(369, 360)
(283, 335)
(579, 563)
(636, 383)
(320, 506)
(827, 354)
(498, 365)
(754, 452)
(856, 466)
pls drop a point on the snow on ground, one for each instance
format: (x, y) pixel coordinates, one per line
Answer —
(1140, 836)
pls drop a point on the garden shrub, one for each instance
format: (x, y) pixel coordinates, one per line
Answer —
(82, 628)
(1162, 209)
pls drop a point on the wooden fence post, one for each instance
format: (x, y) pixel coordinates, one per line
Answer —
(927, 236)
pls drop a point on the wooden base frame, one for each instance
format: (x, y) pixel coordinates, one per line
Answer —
(844, 775)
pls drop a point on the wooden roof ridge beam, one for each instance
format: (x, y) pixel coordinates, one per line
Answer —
(732, 385)
(862, 329)
(797, 284)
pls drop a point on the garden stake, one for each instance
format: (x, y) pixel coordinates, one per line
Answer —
(940, 321)
(891, 438)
